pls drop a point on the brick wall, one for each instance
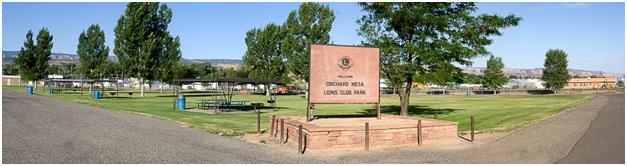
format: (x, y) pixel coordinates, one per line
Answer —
(433, 132)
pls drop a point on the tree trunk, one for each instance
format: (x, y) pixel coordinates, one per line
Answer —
(268, 90)
(494, 92)
(141, 87)
(90, 85)
(34, 85)
(161, 86)
(404, 95)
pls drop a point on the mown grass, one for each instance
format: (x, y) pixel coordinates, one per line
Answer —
(491, 113)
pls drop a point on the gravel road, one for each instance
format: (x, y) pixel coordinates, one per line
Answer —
(39, 129)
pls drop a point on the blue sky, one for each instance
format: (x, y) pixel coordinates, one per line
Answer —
(593, 34)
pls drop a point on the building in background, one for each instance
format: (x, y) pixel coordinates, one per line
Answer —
(532, 83)
(591, 83)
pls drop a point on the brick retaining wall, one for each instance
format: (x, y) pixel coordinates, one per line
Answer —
(316, 137)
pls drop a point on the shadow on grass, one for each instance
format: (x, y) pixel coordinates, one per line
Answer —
(413, 110)
(191, 95)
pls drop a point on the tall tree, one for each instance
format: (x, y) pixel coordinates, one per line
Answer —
(25, 60)
(32, 60)
(310, 24)
(141, 39)
(423, 40)
(92, 53)
(168, 60)
(493, 77)
(263, 54)
(42, 54)
(555, 73)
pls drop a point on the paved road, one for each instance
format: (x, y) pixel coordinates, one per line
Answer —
(604, 141)
(546, 141)
(39, 129)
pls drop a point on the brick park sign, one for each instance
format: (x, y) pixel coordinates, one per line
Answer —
(343, 75)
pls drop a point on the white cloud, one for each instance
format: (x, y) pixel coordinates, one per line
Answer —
(574, 5)
(562, 6)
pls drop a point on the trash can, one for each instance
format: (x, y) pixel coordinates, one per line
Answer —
(30, 90)
(97, 95)
(181, 102)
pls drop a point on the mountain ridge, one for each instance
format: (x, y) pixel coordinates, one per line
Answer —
(60, 58)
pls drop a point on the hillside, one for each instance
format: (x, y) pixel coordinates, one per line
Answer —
(60, 58)
(537, 72)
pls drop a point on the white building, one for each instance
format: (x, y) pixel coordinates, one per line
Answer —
(532, 83)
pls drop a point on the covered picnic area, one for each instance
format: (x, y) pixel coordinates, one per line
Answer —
(222, 98)
(60, 85)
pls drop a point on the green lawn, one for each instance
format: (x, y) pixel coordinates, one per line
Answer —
(492, 113)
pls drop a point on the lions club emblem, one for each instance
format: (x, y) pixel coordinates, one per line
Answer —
(345, 63)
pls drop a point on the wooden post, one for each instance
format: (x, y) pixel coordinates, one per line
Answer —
(272, 125)
(378, 111)
(276, 126)
(419, 132)
(472, 129)
(258, 121)
(282, 131)
(435, 116)
(367, 139)
(300, 138)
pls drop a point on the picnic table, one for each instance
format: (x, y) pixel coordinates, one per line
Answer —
(205, 104)
(223, 105)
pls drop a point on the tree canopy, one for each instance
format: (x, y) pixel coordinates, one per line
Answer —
(555, 73)
(310, 24)
(419, 41)
(32, 59)
(142, 40)
(263, 54)
(493, 77)
(92, 52)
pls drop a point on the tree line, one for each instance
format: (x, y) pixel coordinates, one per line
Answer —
(419, 42)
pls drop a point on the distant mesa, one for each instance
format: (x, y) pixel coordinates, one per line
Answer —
(62, 58)
(537, 72)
